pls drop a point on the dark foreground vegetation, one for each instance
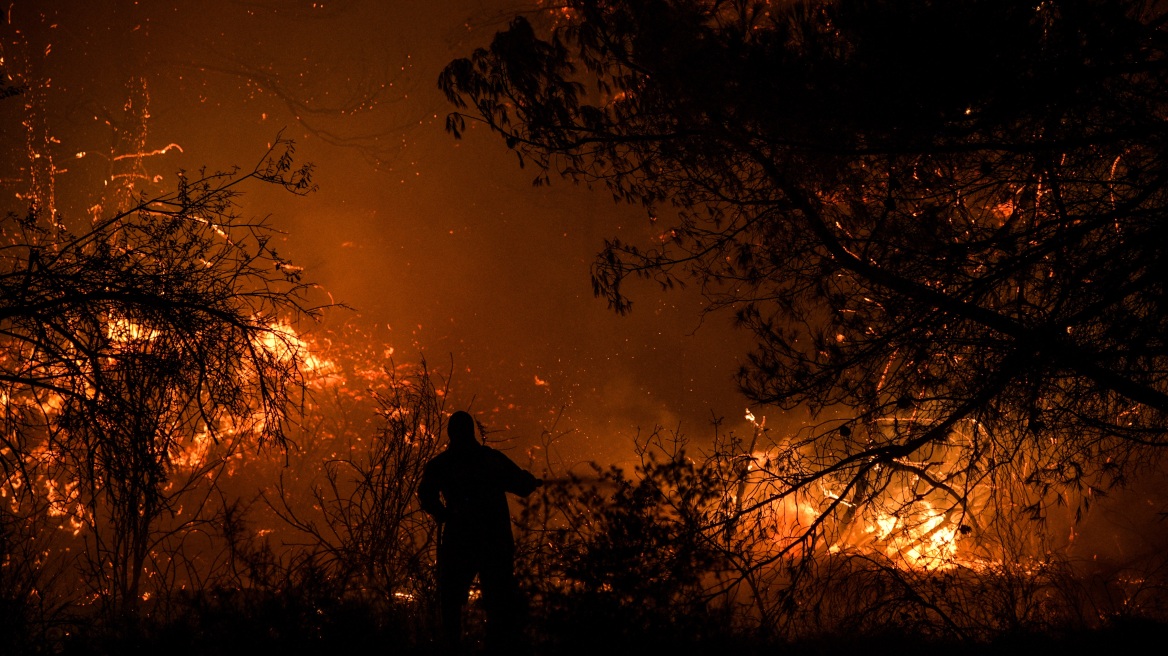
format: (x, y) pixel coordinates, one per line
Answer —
(335, 554)
(288, 629)
(667, 558)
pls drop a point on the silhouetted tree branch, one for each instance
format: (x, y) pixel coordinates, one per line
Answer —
(125, 345)
(893, 227)
(950, 247)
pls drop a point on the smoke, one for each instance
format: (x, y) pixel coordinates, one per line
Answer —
(445, 242)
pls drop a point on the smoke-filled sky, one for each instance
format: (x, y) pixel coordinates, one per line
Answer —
(440, 247)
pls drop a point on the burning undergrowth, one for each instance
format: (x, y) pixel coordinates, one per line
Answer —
(719, 544)
(743, 540)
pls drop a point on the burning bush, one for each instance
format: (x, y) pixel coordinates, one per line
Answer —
(126, 347)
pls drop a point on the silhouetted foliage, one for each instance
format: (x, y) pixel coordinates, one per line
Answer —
(626, 559)
(942, 220)
(366, 528)
(135, 352)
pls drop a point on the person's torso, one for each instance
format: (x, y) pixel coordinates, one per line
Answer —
(473, 484)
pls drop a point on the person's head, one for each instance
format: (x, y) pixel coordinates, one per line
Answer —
(461, 428)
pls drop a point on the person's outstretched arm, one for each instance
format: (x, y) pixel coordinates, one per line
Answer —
(516, 479)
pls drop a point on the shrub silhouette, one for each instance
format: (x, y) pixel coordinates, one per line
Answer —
(620, 559)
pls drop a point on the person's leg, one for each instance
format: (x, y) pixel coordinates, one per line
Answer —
(502, 605)
(455, 574)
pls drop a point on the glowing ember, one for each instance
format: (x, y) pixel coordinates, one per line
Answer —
(921, 538)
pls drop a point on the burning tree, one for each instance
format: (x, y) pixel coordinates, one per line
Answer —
(950, 247)
(134, 351)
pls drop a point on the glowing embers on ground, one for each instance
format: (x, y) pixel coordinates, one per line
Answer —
(913, 534)
(921, 538)
(911, 527)
(908, 514)
(125, 330)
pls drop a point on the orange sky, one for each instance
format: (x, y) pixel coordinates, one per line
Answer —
(446, 243)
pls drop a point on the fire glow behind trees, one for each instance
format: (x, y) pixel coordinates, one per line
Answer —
(948, 238)
(937, 223)
(952, 252)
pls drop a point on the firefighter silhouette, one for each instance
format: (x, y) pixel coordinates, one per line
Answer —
(464, 488)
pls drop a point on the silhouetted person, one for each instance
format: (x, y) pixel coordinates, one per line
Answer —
(464, 488)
